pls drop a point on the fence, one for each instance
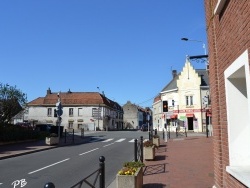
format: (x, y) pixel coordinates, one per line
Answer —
(99, 173)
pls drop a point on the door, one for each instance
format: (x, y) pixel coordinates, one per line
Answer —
(190, 123)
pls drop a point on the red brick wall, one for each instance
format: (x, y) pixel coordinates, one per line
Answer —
(228, 37)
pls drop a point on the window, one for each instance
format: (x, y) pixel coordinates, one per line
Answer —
(237, 88)
(71, 111)
(70, 125)
(49, 112)
(80, 112)
(189, 101)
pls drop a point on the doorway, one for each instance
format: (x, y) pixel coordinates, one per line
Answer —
(190, 123)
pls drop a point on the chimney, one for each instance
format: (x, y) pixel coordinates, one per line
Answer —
(48, 91)
(174, 73)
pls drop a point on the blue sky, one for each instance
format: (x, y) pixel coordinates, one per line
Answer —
(127, 48)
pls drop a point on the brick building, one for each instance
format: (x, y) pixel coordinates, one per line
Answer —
(228, 32)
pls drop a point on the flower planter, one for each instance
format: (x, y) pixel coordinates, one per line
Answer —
(52, 140)
(156, 141)
(149, 153)
(130, 181)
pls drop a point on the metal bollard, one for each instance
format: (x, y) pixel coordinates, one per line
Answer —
(102, 172)
(135, 150)
(49, 185)
(141, 149)
(155, 131)
(65, 134)
(163, 135)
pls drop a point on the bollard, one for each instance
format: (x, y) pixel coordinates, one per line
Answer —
(186, 131)
(102, 172)
(73, 136)
(82, 133)
(155, 131)
(135, 150)
(163, 135)
(141, 149)
(49, 185)
(65, 134)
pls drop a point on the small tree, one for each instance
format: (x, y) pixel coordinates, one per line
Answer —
(12, 101)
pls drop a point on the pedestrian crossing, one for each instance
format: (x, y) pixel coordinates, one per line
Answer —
(114, 140)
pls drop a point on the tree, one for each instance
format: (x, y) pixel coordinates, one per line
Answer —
(12, 101)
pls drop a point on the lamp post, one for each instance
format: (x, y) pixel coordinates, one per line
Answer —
(192, 40)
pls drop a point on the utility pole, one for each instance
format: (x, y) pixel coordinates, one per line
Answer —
(59, 112)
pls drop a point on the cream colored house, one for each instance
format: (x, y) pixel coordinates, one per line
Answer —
(88, 110)
(187, 95)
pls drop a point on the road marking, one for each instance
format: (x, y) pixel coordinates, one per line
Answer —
(108, 145)
(120, 140)
(88, 151)
(48, 166)
(108, 140)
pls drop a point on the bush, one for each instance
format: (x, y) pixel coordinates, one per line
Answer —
(9, 133)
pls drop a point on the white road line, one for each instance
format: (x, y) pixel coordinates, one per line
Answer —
(108, 140)
(133, 140)
(108, 145)
(89, 151)
(48, 166)
(120, 140)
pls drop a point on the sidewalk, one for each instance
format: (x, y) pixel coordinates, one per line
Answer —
(179, 162)
(22, 148)
(182, 162)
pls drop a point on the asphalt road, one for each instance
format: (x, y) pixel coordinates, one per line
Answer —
(65, 166)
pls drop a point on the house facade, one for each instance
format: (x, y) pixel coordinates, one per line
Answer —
(88, 110)
(185, 98)
(228, 33)
(135, 116)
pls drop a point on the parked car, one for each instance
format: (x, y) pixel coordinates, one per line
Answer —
(24, 125)
(44, 127)
(144, 127)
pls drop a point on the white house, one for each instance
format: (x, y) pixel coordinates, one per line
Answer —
(88, 110)
(187, 97)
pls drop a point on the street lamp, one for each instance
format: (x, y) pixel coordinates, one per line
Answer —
(192, 40)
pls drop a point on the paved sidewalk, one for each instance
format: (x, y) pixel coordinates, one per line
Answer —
(22, 148)
(182, 162)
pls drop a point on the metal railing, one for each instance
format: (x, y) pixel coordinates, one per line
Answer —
(138, 150)
(99, 173)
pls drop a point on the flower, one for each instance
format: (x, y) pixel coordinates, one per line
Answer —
(129, 168)
(148, 143)
(156, 136)
(53, 135)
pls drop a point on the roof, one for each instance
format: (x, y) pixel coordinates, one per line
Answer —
(203, 73)
(75, 99)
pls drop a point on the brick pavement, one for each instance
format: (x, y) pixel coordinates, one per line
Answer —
(183, 162)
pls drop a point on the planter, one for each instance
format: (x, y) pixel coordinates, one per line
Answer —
(156, 141)
(130, 181)
(52, 140)
(149, 153)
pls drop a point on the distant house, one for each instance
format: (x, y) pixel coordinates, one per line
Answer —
(135, 116)
(185, 99)
(88, 110)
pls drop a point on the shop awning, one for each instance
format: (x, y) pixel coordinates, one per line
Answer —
(174, 116)
(190, 115)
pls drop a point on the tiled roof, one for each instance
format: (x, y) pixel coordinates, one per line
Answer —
(173, 83)
(157, 98)
(74, 99)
